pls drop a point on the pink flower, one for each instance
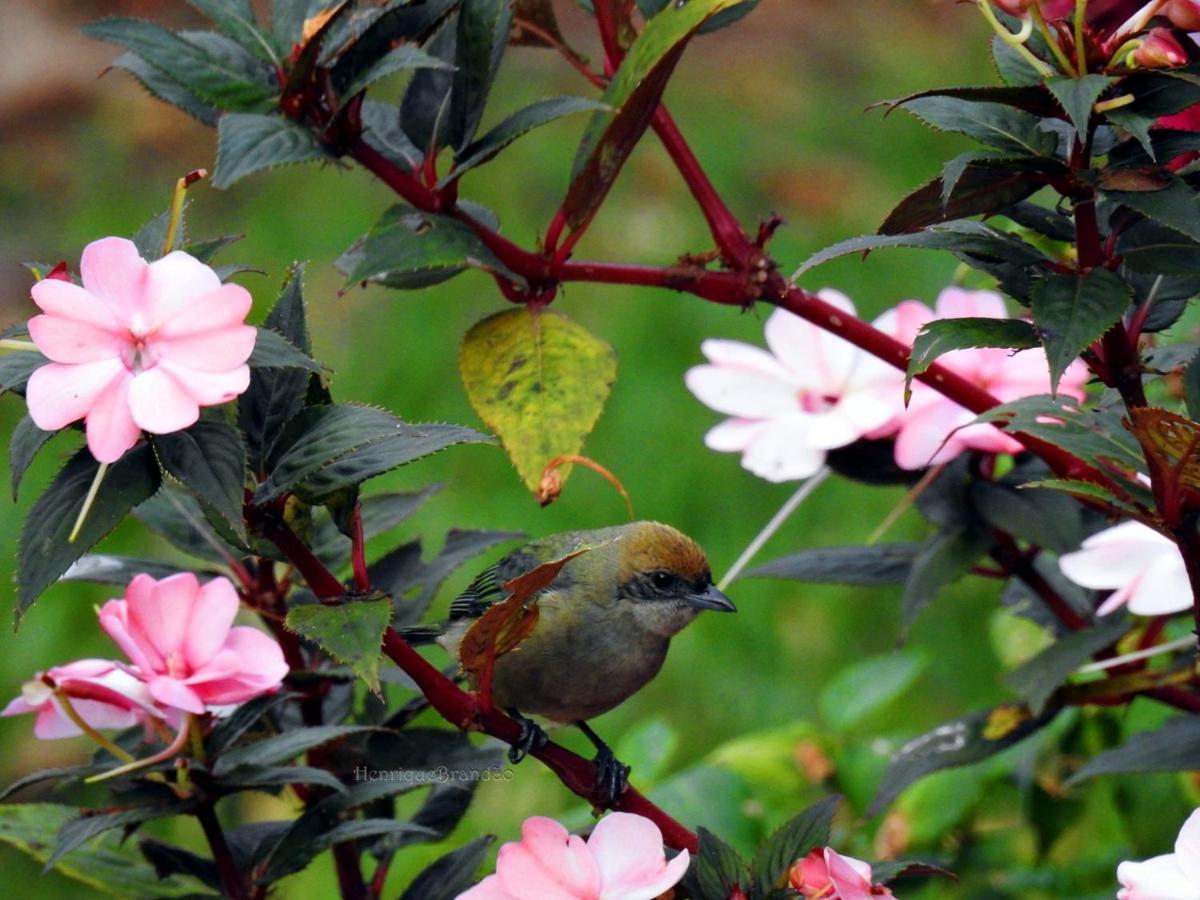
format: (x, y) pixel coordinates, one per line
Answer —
(828, 875)
(100, 692)
(1144, 567)
(141, 346)
(1183, 14)
(1160, 50)
(811, 393)
(1173, 876)
(622, 860)
(179, 636)
(934, 429)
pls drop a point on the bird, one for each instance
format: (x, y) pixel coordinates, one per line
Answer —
(604, 626)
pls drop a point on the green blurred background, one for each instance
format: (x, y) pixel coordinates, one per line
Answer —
(775, 108)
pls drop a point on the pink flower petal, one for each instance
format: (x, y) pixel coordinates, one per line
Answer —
(548, 864)
(780, 452)
(817, 359)
(114, 271)
(59, 394)
(160, 618)
(1162, 589)
(110, 427)
(954, 302)
(225, 307)
(736, 355)
(1116, 556)
(904, 320)
(209, 388)
(741, 392)
(1159, 878)
(173, 284)
(159, 403)
(209, 620)
(1187, 848)
(628, 850)
(66, 300)
(71, 341)
(847, 876)
(733, 435)
(980, 436)
(114, 620)
(218, 350)
(488, 889)
(923, 431)
(172, 692)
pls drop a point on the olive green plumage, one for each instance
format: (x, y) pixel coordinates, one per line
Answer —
(604, 623)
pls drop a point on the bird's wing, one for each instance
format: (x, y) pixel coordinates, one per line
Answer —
(481, 593)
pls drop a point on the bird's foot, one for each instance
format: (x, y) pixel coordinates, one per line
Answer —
(531, 739)
(612, 776)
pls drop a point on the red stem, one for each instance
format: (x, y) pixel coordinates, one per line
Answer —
(323, 582)
(233, 884)
(358, 550)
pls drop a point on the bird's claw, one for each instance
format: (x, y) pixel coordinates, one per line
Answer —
(612, 776)
(531, 739)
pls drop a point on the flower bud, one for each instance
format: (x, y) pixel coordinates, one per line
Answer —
(1183, 14)
(1160, 50)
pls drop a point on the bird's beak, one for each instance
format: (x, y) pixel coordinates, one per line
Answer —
(711, 599)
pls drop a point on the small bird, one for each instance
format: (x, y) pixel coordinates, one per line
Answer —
(602, 632)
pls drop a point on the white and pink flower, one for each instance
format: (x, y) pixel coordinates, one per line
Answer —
(101, 693)
(140, 346)
(1172, 876)
(828, 875)
(1142, 567)
(623, 859)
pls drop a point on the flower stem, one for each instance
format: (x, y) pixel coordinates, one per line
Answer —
(1138, 20)
(175, 215)
(173, 749)
(793, 502)
(87, 502)
(905, 502)
(1050, 38)
(65, 702)
(1182, 643)
(10, 344)
(1016, 41)
(1080, 47)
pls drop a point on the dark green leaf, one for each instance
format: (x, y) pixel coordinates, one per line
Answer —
(27, 439)
(1159, 93)
(1175, 747)
(1022, 601)
(717, 870)
(45, 552)
(397, 25)
(863, 565)
(229, 730)
(273, 351)
(351, 632)
(425, 107)
(178, 517)
(16, 367)
(1044, 518)
(169, 860)
(381, 129)
(64, 773)
(1011, 66)
(959, 742)
(214, 68)
(78, 831)
(282, 747)
(727, 17)
(632, 97)
(945, 335)
(792, 841)
(407, 248)
(1157, 250)
(1078, 96)
(450, 875)
(995, 124)
(943, 559)
(293, 854)
(276, 395)
(209, 459)
(985, 187)
(1089, 434)
(970, 237)
(1030, 98)
(404, 58)
(1176, 206)
(380, 513)
(150, 238)
(287, 20)
(236, 19)
(104, 568)
(1038, 678)
(1072, 311)
(342, 445)
(515, 126)
(1048, 222)
(483, 28)
(167, 89)
(278, 776)
(248, 143)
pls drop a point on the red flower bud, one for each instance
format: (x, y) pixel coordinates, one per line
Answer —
(1160, 50)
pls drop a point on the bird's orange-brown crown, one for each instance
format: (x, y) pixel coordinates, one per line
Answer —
(652, 545)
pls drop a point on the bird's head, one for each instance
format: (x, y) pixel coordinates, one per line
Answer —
(665, 575)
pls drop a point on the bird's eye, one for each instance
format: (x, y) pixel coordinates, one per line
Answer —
(662, 580)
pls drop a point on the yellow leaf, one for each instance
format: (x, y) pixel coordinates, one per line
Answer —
(1004, 720)
(539, 381)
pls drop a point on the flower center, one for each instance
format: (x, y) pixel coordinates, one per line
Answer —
(176, 666)
(137, 354)
(815, 402)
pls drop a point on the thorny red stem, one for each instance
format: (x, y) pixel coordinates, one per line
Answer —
(358, 550)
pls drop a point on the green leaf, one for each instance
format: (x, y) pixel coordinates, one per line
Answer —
(342, 445)
(209, 459)
(792, 841)
(1078, 96)
(717, 870)
(513, 127)
(16, 366)
(397, 25)
(1191, 387)
(1072, 311)
(410, 249)
(178, 518)
(450, 875)
(1174, 747)
(276, 395)
(45, 552)
(404, 58)
(27, 439)
(273, 351)
(959, 742)
(108, 865)
(1011, 66)
(425, 107)
(1176, 206)
(351, 632)
(945, 335)
(995, 124)
(1084, 490)
(1046, 519)
(483, 29)
(985, 187)
(213, 68)
(1038, 678)
(943, 559)
(380, 513)
(167, 89)
(283, 747)
(228, 731)
(872, 565)
(279, 776)
(104, 568)
(1158, 250)
(381, 129)
(248, 143)
(236, 19)
(540, 381)
(632, 97)
(89, 824)
(869, 685)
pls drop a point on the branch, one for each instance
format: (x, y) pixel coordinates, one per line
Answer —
(233, 885)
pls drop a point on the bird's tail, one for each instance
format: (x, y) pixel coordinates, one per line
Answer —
(418, 635)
